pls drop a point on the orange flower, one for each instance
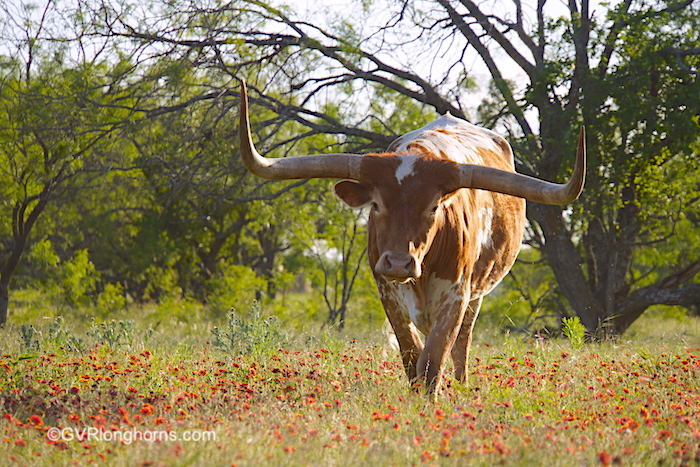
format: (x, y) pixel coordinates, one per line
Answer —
(36, 420)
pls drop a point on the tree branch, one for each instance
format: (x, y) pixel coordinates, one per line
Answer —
(486, 56)
(679, 55)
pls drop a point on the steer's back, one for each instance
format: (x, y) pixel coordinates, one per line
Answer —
(454, 139)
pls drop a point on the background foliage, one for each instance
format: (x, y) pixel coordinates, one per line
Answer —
(120, 183)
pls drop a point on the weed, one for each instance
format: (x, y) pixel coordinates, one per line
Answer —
(29, 341)
(574, 331)
(59, 336)
(113, 333)
(254, 337)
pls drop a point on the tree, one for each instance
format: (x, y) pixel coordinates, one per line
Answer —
(53, 120)
(629, 74)
(335, 237)
(630, 77)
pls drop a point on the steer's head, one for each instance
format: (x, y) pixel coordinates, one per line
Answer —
(407, 192)
(406, 195)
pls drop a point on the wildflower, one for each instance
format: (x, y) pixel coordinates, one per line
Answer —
(36, 420)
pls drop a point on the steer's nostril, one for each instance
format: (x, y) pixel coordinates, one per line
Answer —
(409, 266)
(387, 263)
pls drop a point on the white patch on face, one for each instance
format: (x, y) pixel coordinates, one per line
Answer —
(483, 237)
(405, 168)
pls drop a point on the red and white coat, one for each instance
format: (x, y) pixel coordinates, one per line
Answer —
(436, 252)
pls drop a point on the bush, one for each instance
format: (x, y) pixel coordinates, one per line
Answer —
(255, 336)
(111, 299)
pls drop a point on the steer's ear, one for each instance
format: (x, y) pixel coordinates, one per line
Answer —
(352, 193)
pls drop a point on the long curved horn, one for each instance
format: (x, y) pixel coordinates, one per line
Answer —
(311, 166)
(532, 189)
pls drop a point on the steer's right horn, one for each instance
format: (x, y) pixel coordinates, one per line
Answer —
(311, 166)
(532, 189)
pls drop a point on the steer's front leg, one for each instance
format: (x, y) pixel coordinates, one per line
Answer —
(439, 343)
(410, 343)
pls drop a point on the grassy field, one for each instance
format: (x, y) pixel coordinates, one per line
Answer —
(246, 392)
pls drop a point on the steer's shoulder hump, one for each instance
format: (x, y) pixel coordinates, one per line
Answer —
(455, 139)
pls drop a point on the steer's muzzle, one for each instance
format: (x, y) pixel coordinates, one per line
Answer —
(398, 267)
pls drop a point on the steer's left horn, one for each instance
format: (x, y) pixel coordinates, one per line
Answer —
(532, 189)
(312, 166)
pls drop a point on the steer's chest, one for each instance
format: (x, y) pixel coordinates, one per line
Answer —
(422, 302)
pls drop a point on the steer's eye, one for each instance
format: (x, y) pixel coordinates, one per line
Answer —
(375, 206)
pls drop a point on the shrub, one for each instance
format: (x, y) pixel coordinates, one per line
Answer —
(574, 331)
(253, 337)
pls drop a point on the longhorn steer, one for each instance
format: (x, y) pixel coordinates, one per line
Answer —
(446, 222)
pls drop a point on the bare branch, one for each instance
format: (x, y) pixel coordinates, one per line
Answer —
(485, 54)
(679, 55)
(500, 38)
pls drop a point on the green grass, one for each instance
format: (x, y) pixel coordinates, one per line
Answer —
(259, 394)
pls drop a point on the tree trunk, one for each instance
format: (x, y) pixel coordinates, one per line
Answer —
(668, 291)
(8, 269)
(4, 303)
(22, 225)
(606, 309)
(566, 263)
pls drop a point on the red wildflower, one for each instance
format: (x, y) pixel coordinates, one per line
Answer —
(125, 415)
(36, 420)
(147, 409)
